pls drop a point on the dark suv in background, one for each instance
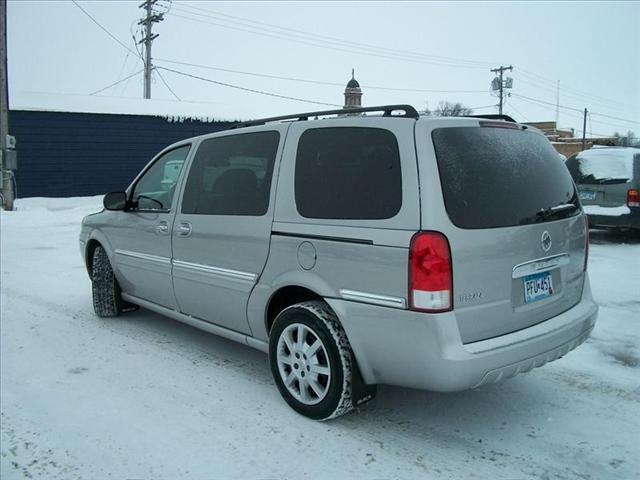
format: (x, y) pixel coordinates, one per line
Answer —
(608, 181)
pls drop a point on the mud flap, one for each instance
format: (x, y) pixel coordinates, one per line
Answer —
(361, 392)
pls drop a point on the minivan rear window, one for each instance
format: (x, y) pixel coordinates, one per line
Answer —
(500, 177)
(602, 166)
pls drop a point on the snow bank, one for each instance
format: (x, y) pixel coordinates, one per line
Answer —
(173, 111)
(606, 211)
(33, 204)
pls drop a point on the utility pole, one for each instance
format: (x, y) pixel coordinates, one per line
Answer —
(150, 18)
(499, 84)
(584, 131)
(6, 175)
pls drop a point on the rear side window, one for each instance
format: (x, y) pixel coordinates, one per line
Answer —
(500, 177)
(348, 173)
(232, 175)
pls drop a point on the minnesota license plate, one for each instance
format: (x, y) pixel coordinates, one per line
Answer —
(537, 287)
(587, 195)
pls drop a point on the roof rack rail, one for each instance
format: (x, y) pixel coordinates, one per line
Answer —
(493, 116)
(409, 112)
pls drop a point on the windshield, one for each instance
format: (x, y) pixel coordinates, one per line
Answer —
(499, 177)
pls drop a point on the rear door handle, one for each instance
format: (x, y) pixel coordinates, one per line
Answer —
(162, 228)
(184, 229)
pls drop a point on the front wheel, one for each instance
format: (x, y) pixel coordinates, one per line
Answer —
(107, 301)
(311, 360)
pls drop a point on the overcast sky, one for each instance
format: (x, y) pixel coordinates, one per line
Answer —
(593, 48)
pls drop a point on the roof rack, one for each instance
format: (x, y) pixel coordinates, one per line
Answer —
(409, 112)
(493, 116)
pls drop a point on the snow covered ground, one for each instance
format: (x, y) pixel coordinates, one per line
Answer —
(143, 397)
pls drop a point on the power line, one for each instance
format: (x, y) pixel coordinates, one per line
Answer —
(578, 110)
(167, 85)
(543, 103)
(615, 118)
(300, 33)
(102, 27)
(116, 83)
(580, 92)
(512, 106)
(483, 107)
(316, 82)
(313, 43)
(261, 92)
(576, 97)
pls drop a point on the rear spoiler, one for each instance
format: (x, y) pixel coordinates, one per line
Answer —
(493, 116)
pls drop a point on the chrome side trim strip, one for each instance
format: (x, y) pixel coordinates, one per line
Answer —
(144, 256)
(221, 272)
(540, 265)
(201, 324)
(373, 298)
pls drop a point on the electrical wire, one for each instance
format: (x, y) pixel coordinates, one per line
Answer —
(261, 92)
(482, 108)
(578, 110)
(166, 84)
(579, 117)
(582, 93)
(243, 21)
(575, 97)
(101, 26)
(313, 43)
(315, 82)
(116, 83)
(512, 106)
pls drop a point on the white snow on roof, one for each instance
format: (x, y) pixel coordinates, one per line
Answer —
(608, 163)
(169, 109)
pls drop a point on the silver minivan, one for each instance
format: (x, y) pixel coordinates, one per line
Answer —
(357, 247)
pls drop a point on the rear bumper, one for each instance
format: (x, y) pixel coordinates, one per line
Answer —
(400, 347)
(629, 220)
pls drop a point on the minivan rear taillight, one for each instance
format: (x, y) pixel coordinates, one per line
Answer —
(430, 273)
(633, 198)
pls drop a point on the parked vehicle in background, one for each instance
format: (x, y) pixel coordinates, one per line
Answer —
(357, 249)
(608, 181)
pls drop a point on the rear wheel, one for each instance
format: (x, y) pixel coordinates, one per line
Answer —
(107, 300)
(311, 360)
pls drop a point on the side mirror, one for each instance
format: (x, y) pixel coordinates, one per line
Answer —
(115, 201)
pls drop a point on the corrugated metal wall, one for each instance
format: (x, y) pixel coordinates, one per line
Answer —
(75, 154)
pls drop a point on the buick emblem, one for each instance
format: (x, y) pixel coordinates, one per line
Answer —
(545, 241)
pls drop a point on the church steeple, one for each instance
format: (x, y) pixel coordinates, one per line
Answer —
(353, 93)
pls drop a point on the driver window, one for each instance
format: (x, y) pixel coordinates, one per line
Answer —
(155, 189)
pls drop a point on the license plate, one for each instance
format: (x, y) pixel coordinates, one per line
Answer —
(537, 287)
(587, 195)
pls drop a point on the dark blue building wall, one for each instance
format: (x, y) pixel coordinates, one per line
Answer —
(75, 154)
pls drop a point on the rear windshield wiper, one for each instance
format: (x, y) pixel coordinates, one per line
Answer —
(547, 213)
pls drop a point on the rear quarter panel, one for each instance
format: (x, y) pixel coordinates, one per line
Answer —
(369, 256)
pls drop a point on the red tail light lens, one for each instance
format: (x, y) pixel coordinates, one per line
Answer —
(633, 198)
(586, 241)
(430, 273)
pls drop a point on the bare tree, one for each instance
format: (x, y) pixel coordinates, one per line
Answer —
(450, 109)
(628, 140)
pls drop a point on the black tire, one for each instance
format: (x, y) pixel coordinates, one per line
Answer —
(323, 323)
(107, 300)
